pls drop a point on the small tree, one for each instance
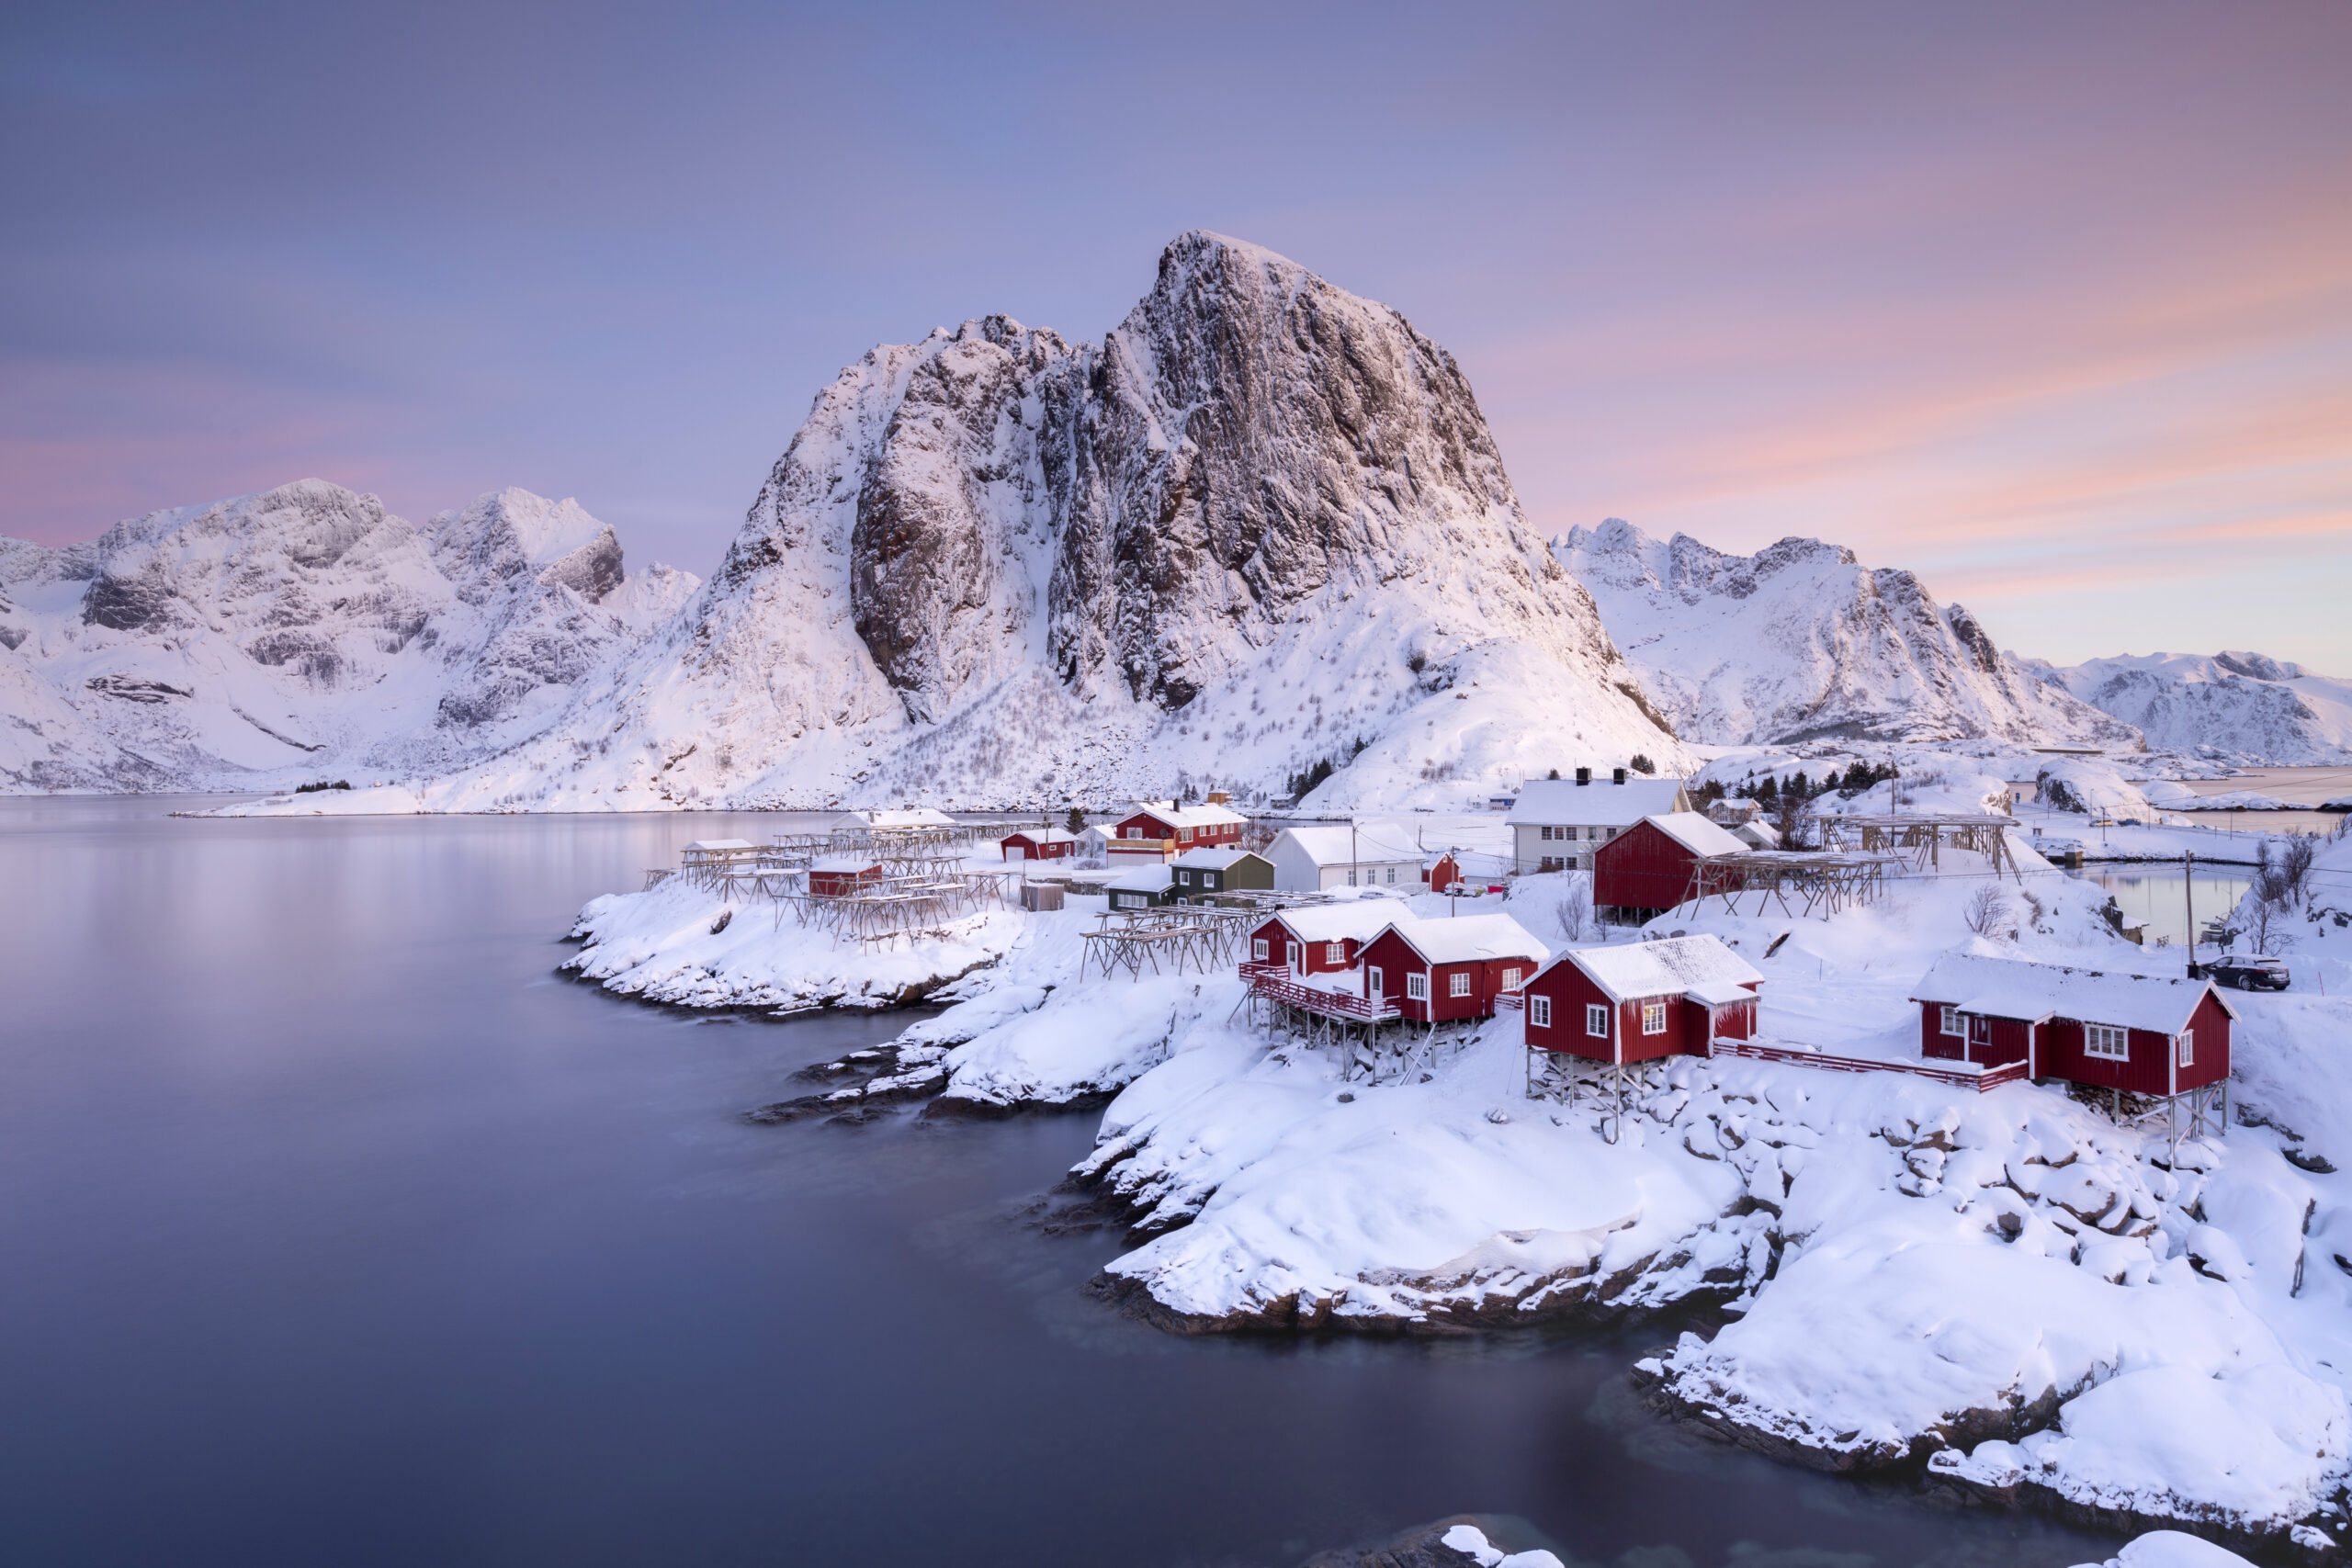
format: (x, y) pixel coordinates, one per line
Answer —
(1791, 817)
(1574, 911)
(1642, 764)
(1076, 824)
(1553, 774)
(1986, 911)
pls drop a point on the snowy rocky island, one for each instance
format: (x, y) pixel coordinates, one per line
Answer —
(2010, 1295)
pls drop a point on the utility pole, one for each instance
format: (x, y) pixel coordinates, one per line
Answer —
(2188, 895)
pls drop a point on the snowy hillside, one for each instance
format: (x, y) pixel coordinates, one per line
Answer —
(305, 632)
(2253, 708)
(1260, 526)
(1800, 641)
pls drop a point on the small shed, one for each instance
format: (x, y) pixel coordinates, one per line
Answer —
(1320, 938)
(1145, 887)
(2150, 1034)
(830, 876)
(1642, 1001)
(1646, 870)
(1442, 871)
(1202, 874)
(1040, 843)
(1450, 967)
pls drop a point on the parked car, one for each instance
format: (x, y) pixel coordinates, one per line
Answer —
(2249, 974)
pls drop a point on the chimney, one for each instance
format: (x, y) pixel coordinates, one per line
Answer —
(1584, 775)
(1620, 778)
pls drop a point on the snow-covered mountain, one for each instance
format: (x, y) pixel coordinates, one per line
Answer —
(1800, 641)
(304, 631)
(1259, 526)
(2252, 707)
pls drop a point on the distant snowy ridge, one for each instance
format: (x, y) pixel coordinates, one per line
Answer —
(2249, 707)
(1260, 526)
(304, 632)
(1800, 642)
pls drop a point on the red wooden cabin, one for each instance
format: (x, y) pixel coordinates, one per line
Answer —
(1450, 967)
(1646, 870)
(1161, 828)
(1642, 1001)
(1040, 843)
(1320, 938)
(1442, 873)
(837, 875)
(2152, 1034)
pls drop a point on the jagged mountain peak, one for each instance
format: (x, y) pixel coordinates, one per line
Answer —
(1801, 641)
(510, 534)
(2244, 705)
(998, 563)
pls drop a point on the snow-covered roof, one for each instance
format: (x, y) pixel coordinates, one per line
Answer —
(2016, 987)
(1366, 843)
(1187, 816)
(1044, 835)
(707, 846)
(1143, 879)
(1700, 966)
(843, 862)
(1207, 859)
(1698, 835)
(1459, 938)
(1360, 920)
(1763, 835)
(919, 817)
(1553, 803)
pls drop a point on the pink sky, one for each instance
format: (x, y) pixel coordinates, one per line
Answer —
(2051, 305)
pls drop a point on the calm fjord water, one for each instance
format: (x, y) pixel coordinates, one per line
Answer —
(336, 1228)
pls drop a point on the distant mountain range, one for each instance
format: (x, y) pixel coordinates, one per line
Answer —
(2244, 706)
(304, 633)
(1258, 531)
(1800, 642)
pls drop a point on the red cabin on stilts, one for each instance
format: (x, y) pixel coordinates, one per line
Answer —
(1449, 969)
(2158, 1035)
(1641, 1001)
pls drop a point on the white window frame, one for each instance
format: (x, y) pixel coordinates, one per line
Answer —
(2188, 1047)
(1596, 1020)
(1351, 877)
(1511, 978)
(2106, 1042)
(1392, 877)
(1258, 948)
(1950, 1023)
(1133, 833)
(1372, 984)
(1458, 983)
(1653, 1018)
(1545, 833)
(1335, 953)
(1539, 1011)
(1416, 986)
(1184, 879)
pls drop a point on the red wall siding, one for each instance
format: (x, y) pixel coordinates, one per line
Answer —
(1053, 849)
(1569, 989)
(833, 884)
(1642, 868)
(2213, 1063)
(1311, 959)
(1395, 958)
(1934, 1043)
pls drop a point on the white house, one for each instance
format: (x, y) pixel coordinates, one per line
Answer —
(1364, 854)
(1556, 824)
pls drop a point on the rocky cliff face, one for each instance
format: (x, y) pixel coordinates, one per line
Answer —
(2245, 705)
(1800, 641)
(1259, 525)
(302, 629)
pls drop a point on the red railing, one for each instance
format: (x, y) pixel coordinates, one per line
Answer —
(1509, 1001)
(1979, 1079)
(1275, 982)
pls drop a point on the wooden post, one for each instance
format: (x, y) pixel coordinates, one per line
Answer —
(2188, 895)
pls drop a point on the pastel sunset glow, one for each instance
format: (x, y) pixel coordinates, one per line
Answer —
(2051, 305)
